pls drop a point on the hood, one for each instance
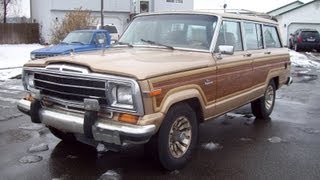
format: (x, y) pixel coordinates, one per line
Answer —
(139, 63)
(61, 48)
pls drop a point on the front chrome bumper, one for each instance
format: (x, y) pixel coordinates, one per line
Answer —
(108, 131)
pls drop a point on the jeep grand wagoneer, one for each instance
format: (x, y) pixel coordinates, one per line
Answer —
(168, 73)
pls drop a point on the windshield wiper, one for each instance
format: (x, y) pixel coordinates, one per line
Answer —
(123, 43)
(63, 42)
(77, 42)
(157, 44)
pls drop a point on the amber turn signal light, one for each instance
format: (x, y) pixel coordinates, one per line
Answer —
(155, 92)
(128, 118)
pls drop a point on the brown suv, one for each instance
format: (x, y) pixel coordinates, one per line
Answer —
(168, 73)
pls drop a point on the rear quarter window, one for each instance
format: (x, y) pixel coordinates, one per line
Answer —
(271, 36)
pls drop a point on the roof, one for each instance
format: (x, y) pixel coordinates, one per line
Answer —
(299, 2)
(215, 13)
(303, 5)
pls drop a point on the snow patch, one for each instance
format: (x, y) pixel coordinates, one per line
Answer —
(38, 148)
(101, 148)
(10, 100)
(302, 60)
(30, 159)
(31, 126)
(9, 73)
(12, 58)
(212, 146)
(275, 139)
(246, 139)
(110, 175)
(15, 55)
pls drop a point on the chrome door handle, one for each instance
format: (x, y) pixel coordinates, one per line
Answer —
(269, 52)
(247, 55)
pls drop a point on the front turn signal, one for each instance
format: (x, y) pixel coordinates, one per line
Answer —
(128, 118)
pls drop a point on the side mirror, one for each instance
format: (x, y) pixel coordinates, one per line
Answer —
(225, 49)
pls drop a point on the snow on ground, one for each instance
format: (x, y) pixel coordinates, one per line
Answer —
(13, 56)
(301, 60)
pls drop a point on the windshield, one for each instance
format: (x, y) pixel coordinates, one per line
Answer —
(78, 37)
(178, 30)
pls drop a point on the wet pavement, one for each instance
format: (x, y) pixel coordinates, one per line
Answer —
(231, 147)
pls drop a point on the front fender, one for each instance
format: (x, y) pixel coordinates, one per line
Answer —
(178, 95)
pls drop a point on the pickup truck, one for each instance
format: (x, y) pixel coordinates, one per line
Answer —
(75, 41)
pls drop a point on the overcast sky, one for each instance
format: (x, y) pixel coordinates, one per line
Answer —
(254, 5)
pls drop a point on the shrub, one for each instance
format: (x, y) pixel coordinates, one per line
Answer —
(74, 20)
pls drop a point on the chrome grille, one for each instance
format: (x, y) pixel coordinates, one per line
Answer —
(41, 56)
(68, 87)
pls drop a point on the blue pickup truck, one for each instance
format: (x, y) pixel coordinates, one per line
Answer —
(76, 41)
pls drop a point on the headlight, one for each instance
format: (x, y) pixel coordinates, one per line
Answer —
(33, 56)
(121, 95)
(28, 80)
(31, 80)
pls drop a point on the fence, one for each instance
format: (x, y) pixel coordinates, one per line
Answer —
(20, 33)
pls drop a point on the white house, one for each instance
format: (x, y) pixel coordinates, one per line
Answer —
(142, 6)
(297, 15)
(117, 12)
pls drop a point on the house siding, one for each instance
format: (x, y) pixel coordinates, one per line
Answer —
(307, 16)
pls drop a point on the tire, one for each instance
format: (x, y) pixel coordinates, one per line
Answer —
(263, 107)
(67, 137)
(179, 127)
(296, 48)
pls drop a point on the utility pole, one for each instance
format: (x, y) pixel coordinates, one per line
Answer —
(102, 17)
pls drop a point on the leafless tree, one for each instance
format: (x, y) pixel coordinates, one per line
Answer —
(4, 6)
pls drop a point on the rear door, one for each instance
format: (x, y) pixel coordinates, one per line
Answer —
(272, 60)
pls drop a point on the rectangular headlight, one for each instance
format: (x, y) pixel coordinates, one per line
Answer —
(28, 79)
(121, 95)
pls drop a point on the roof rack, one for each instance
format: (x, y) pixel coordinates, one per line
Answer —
(244, 12)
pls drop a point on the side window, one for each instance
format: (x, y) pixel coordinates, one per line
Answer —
(271, 37)
(230, 34)
(253, 36)
(100, 36)
(250, 36)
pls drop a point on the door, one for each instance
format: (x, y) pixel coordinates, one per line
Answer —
(234, 72)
